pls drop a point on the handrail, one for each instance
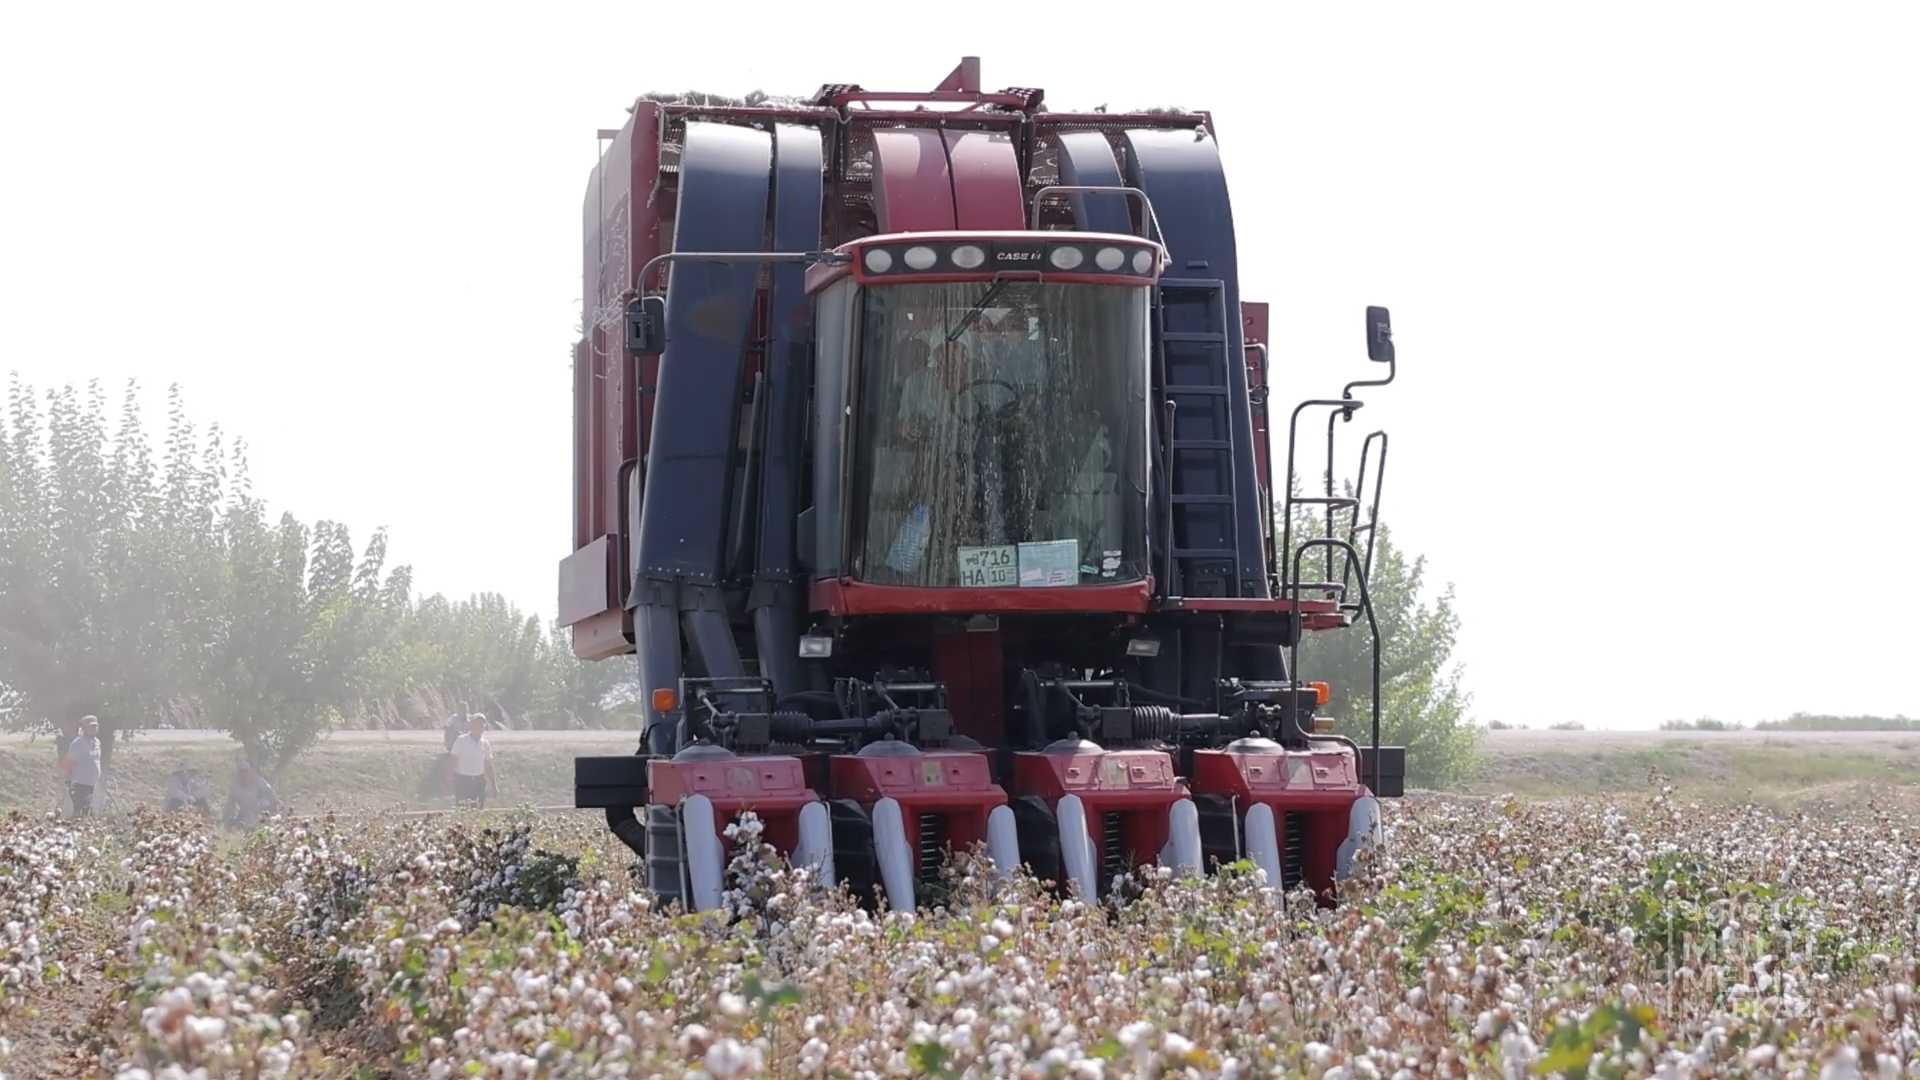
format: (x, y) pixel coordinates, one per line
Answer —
(638, 288)
(1149, 218)
(1373, 628)
(623, 506)
(1259, 402)
(1373, 512)
(1344, 405)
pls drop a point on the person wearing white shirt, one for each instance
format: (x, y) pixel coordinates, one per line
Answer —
(81, 766)
(473, 777)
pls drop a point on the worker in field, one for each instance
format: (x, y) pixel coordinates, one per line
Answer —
(455, 726)
(80, 766)
(186, 788)
(473, 776)
(251, 797)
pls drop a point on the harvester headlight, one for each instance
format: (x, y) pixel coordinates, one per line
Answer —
(1109, 258)
(919, 257)
(879, 260)
(1066, 258)
(816, 647)
(1143, 646)
(968, 256)
(1142, 261)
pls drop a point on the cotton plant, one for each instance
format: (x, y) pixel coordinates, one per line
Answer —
(1646, 937)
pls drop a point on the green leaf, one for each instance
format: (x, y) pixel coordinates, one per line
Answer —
(926, 1056)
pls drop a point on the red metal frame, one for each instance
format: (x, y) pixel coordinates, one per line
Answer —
(956, 785)
(1141, 785)
(773, 786)
(972, 665)
(845, 596)
(1321, 784)
(1314, 614)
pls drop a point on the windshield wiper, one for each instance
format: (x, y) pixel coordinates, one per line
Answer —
(973, 312)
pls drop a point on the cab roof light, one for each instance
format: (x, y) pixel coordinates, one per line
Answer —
(1006, 253)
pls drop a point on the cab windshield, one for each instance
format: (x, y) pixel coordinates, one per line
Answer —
(1001, 444)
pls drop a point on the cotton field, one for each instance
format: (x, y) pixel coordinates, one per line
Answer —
(1642, 937)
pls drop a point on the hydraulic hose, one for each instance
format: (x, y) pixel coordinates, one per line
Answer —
(1151, 694)
(1036, 712)
(628, 828)
(820, 698)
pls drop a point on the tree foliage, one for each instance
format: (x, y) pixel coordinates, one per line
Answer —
(1422, 704)
(149, 588)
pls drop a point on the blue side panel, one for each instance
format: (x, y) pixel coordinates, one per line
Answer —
(724, 178)
(796, 227)
(1086, 160)
(1182, 175)
(775, 599)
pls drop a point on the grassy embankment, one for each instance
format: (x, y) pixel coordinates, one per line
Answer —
(366, 770)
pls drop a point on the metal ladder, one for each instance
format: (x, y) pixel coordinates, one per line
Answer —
(1191, 327)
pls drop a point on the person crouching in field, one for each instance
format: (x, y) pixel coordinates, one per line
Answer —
(250, 798)
(185, 788)
(80, 765)
(473, 778)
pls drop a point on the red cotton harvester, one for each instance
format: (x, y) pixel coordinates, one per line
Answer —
(921, 455)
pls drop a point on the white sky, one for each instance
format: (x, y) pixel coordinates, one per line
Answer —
(1650, 267)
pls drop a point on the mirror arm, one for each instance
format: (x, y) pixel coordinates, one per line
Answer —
(1347, 393)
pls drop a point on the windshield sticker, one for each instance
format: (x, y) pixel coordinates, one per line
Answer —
(909, 543)
(989, 567)
(1049, 562)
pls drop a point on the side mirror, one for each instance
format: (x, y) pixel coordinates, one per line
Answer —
(1379, 336)
(647, 326)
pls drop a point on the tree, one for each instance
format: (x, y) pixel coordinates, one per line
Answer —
(81, 619)
(130, 590)
(584, 691)
(1423, 707)
(301, 636)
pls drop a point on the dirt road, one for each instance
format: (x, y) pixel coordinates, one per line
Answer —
(1530, 742)
(189, 737)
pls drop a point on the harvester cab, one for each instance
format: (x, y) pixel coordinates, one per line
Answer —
(922, 458)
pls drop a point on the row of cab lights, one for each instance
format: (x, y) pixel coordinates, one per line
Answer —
(1065, 257)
